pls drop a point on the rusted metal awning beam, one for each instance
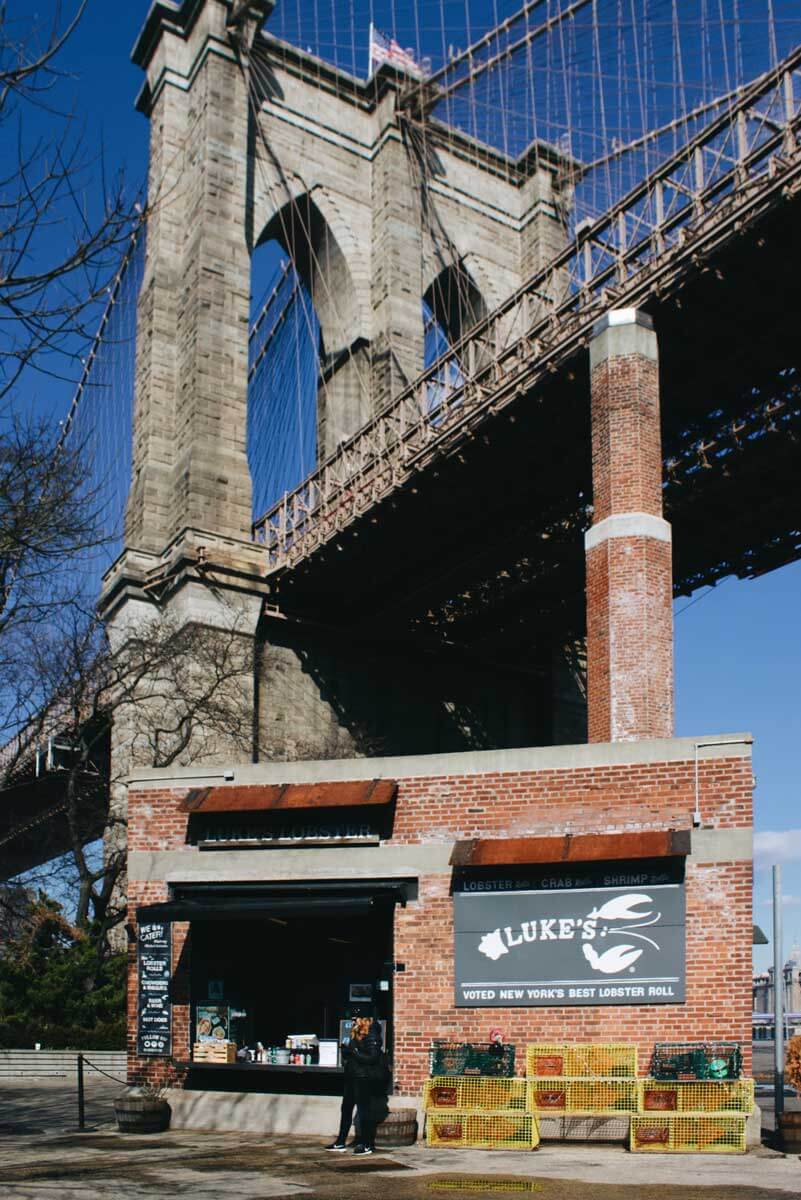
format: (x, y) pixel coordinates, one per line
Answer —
(278, 796)
(571, 848)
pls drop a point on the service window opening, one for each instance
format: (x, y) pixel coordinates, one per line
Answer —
(275, 977)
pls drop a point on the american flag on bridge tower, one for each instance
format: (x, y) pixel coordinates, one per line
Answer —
(386, 49)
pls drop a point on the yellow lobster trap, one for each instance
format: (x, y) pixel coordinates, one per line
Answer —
(547, 1060)
(707, 1096)
(483, 1131)
(563, 1059)
(581, 1097)
(473, 1093)
(719, 1133)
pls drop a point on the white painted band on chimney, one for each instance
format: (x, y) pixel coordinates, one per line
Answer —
(622, 316)
(635, 524)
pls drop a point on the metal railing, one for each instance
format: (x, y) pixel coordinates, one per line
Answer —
(743, 162)
(82, 1063)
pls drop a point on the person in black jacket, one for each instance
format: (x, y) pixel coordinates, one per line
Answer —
(364, 1086)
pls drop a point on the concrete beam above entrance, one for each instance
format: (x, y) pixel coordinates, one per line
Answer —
(474, 762)
(355, 862)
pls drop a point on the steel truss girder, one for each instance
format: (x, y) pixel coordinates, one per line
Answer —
(729, 175)
(555, 544)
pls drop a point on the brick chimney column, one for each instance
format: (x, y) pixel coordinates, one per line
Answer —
(628, 545)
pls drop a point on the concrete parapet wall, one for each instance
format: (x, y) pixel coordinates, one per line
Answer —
(40, 1064)
(246, 1112)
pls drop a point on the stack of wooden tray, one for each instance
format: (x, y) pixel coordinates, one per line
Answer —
(214, 1052)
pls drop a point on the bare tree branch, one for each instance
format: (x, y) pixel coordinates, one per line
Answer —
(64, 228)
(173, 693)
(57, 260)
(19, 72)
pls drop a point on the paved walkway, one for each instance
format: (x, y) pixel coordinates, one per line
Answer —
(58, 1164)
(44, 1106)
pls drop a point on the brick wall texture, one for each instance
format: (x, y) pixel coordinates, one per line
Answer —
(655, 795)
(629, 639)
(629, 588)
(626, 437)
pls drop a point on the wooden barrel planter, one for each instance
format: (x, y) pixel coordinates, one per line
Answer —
(790, 1132)
(399, 1128)
(141, 1114)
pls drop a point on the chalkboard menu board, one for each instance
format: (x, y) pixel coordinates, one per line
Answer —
(154, 1030)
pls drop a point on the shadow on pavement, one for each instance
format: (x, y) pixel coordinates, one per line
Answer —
(100, 1166)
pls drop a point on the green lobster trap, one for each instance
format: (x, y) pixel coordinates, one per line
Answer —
(471, 1058)
(696, 1060)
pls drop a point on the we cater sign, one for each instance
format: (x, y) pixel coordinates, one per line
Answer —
(539, 946)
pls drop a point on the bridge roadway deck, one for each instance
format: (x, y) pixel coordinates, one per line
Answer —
(483, 549)
(33, 822)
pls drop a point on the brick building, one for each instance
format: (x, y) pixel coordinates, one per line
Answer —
(611, 816)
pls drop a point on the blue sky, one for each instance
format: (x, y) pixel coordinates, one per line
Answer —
(738, 666)
(738, 650)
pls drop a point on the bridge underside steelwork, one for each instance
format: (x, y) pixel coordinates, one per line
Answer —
(453, 522)
(34, 823)
(52, 802)
(482, 551)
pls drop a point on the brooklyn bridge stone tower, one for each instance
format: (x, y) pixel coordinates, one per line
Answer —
(251, 140)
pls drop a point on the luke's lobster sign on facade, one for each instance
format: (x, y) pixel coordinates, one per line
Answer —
(619, 945)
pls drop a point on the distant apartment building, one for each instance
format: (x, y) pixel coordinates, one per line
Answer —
(763, 997)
